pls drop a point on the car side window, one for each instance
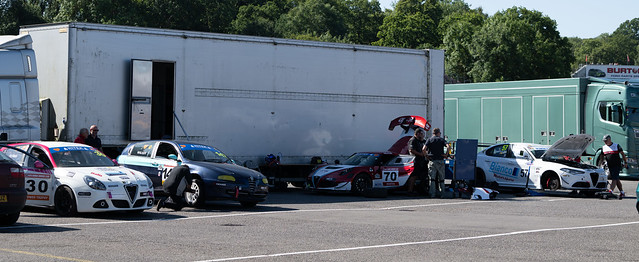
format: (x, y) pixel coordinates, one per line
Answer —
(144, 149)
(41, 155)
(164, 150)
(500, 151)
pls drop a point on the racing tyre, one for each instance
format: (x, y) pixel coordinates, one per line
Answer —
(9, 219)
(361, 183)
(551, 182)
(248, 204)
(65, 204)
(196, 197)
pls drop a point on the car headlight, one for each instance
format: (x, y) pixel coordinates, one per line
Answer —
(572, 171)
(149, 182)
(226, 178)
(94, 183)
(265, 180)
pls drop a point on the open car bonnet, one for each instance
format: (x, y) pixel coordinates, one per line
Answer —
(571, 146)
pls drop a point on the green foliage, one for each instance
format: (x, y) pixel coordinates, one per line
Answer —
(413, 24)
(314, 17)
(519, 44)
(363, 21)
(14, 13)
(260, 19)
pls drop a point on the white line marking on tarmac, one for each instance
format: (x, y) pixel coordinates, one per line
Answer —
(241, 214)
(420, 242)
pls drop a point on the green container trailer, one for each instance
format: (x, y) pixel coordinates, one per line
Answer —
(543, 111)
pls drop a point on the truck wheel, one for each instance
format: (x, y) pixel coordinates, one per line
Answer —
(550, 182)
(197, 197)
(9, 219)
(361, 183)
(248, 204)
(65, 204)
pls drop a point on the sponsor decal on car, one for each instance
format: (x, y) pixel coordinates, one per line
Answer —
(502, 170)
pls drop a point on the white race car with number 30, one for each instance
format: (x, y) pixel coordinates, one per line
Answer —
(525, 165)
(79, 178)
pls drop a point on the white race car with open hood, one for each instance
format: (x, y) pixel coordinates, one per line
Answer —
(78, 178)
(525, 165)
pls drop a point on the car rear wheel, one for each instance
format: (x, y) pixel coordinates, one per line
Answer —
(480, 178)
(196, 197)
(65, 204)
(361, 183)
(9, 219)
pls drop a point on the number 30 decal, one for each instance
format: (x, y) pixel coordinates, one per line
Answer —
(42, 186)
(390, 175)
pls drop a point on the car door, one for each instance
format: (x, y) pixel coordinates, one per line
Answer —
(523, 160)
(500, 165)
(40, 181)
(139, 157)
(162, 161)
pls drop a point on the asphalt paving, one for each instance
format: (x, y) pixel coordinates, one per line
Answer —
(296, 225)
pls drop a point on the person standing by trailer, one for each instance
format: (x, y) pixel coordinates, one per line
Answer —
(435, 146)
(611, 153)
(82, 136)
(93, 139)
(416, 148)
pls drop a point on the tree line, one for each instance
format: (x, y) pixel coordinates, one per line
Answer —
(513, 44)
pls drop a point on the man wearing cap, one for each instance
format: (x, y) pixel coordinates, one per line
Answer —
(611, 153)
(93, 139)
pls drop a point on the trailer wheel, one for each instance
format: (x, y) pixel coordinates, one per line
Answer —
(550, 181)
(65, 204)
(197, 196)
(361, 183)
(8, 219)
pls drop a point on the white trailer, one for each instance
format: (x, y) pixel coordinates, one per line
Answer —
(20, 115)
(248, 96)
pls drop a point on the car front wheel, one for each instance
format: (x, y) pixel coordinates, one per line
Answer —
(361, 183)
(196, 197)
(65, 202)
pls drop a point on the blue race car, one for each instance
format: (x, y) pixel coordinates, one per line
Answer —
(215, 176)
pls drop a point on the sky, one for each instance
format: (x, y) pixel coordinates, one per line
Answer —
(583, 19)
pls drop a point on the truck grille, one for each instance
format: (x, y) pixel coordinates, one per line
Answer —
(594, 177)
(132, 191)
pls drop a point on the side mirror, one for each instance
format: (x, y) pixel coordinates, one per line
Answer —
(173, 156)
(115, 162)
(38, 164)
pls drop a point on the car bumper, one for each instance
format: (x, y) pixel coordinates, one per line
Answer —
(336, 186)
(15, 200)
(594, 181)
(90, 200)
(225, 190)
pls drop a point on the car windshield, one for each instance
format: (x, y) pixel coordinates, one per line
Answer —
(79, 156)
(362, 159)
(537, 151)
(204, 153)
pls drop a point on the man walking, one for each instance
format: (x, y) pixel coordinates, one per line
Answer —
(435, 148)
(611, 153)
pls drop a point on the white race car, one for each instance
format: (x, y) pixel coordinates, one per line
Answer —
(525, 165)
(78, 178)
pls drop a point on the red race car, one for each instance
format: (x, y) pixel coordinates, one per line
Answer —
(362, 171)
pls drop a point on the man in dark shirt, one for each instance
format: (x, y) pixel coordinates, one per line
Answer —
(171, 186)
(416, 148)
(435, 148)
(93, 139)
